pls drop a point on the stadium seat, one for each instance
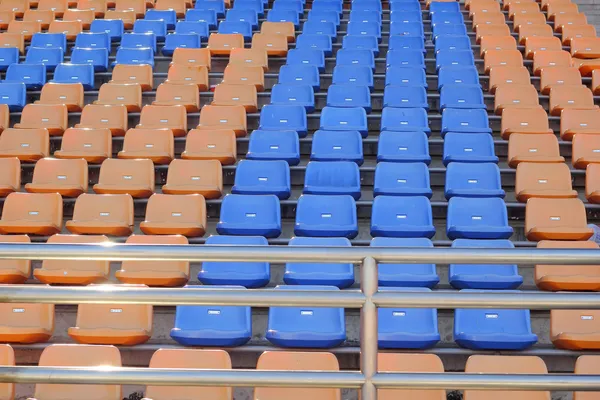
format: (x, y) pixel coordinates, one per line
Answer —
(508, 75)
(407, 362)
(326, 216)
(52, 117)
(10, 177)
(585, 150)
(133, 177)
(477, 218)
(451, 75)
(406, 29)
(569, 19)
(169, 17)
(217, 145)
(69, 178)
(317, 13)
(571, 97)
(524, 120)
(283, 117)
(175, 215)
(165, 117)
(545, 59)
(245, 75)
(437, 8)
(327, 5)
(25, 144)
(85, 17)
(493, 329)
(349, 96)
(458, 58)
(405, 96)
(407, 328)
(353, 75)
(26, 323)
(136, 56)
(543, 181)
(585, 365)
(102, 215)
(231, 28)
(558, 76)
(8, 56)
(191, 57)
(187, 74)
(179, 6)
(332, 178)
(320, 28)
(262, 177)
(542, 148)
(246, 274)
(96, 116)
(293, 94)
(250, 215)
(448, 29)
(307, 41)
(536, 44)
(403, 179)
(411, 217)
(274, 145)
(16, 6)
(574, 329)
(169, 94)
(223, 42)
(585, 47)
(93, 145)
(405, 120)
(365, 29)
(216, 6)
(406, 42)
(199, 28)
(529, 18)
(44, 17)
(98, 58)
(570, 32)
(13, 95)
(68, 28)
(462, 180)
(114, 28)
(300, 75)
(337, 146)
(141, 74)
(128, 95)
(98, 40)
(26, 28)
(138, 41)
(33, 75)
(306, 327)
(592, 191)
(462, 96)
(242, 16)
(515, 96)
(574, 121)
(403, 147)
(454, 43)
(14, 271)
(465, 121)
(355, 57)
(154, 144)
(37, 214)
(57, 6)
(251, 58)
(497, 43)
(556, 219)
(348, 118)
(488, 30)
(567, 277)
(224, 117)
(69, 94)
(405, 58)
(361, 42)
(12, 40)
(233, 94)
(49, 41)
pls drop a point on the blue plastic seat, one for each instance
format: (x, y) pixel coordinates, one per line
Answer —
(274, 145)
(138, 41)
(293, 94)
(75, 73)
(472, 218)
(156, 27)
(50, 57)
(493, 329)
(406, 17)
(300, 75)
(402, 179)
(196, 27)
(89, 40)
(446, 18)
(461, 96)
(327, 5)
(208, 16)
(49, 41)
(262, 177)
(258, 215)
(448, 29)
(344, 119)
(406, 275)
(404, 119)
(180, 40)
(326, 216)
(222, 326)
(405, 96)
(463, 180)
(98, 58)
(349, 96)
(365, 16)
(135, 57)
(218, 6)
(337, 146)
(289, 5)
(455, 58)
(328, 29)
(254, 5)
(457, 75)
(284, 15)
(13, 94)
(324, 15)
(332, 178)
(315, 42)
(315, 58)
(453, 42)
(8, 56)
(306, 327)
(241, 27)
(247, 274)
(32, 75)
(439, 7)
(113, 27)
(407, 218)
(284, 117)
(405, 58)
(400, 6)
(169, 17)
(465, 121)
(484, 276)
(366, 5)
(360, 75)
(406, 76)
(401, 28)
(407, 328)
(468, 148)
(355, 57)
(365, 28)
(340, 275)
(249, 16)
(361, 42)
(403, 147)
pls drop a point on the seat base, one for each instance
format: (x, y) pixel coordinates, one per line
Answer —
(24, 335)
(577, 341)
(92, 158)
(545, 233)
(136, 192)
(513, 162)
(224, 158)
(13, 276)
(22, 155)
(69, 277)
(210, 337)
(209, 192)
(576, 283)
(32, 228)
(98, 228)
(525, 195)
(66, 191)
(495, 341)
(153, 278)
(5, 190)
(166, 228)
(157, 158)
(123, 337)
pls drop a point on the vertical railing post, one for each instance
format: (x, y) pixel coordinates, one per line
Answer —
(368, 328)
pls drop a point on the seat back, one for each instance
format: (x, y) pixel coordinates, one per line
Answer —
(562, 219)
(26, 323)
(141, 74)
(44, 17)
(129, 95)
(85, 17)
(195, 176)
(245, 75)
(25, 144)
(508, 75)
(115, 316)
(211, 145)
(542, 148)
(235, 94)
(74, 266)
(524, 120)
(497, 43)
(571, 97)
(176, 210)
(68, 94)
(543, 180)
(575, 329)
(192, 57)
(117, 208)
(10, 175)
(186, 95)
(395, 362)
(558, 76)
(69, 28)
(50, 174)
(25, 212)
(552, 58)
(164, 117)
(515, 96)
(12, 40)
(97, 116)
(224, 117)
(98, 6)
(53, 117)
(93, 145)
(567, 277)
(250, 57)
(573, 121)
(156, 266)
(542, 30)
(184, 74)
(26, 28)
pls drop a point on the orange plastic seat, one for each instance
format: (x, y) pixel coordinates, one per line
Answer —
(26, 144)
(397, 362)
(298, 361)
(17, 6)
(128, 17)
(67, 177)
(569, 19)
(543, 148)
(164, 117)
(244, 75)
(528, 19)
(218, 144)
(154, 144)
(99, 7)
(497, 43)
(575, 329)
(179, 6)
(13, 40)
(97, 116)
(14, 271)
(68, 94)
(476, 4)
(233, 95)
(58, 6)
(507, 3)
(26, 323)
(480, 364)
(32, 213)
(275, 45)
(4, 117)
(558, 76)
(203, 177)
(286, 29)
(516, 8)
(571, 97)
(508, 58)
(53, 117)
(567, 277)
(74, 272)
(168, 214)
(570, 32)
(172, 94)
(555, 9)
(508, 75)
(537, 44)
(155, 273)
(587, 365)
(188, 74)
(44, 17)
(7, 358)
(190, 359)
(10, 176)
(515, 96)
(544, 3)
(192, 57)
(93, 145)
(556, 219)
(586, 66)
(137, 6)
(526, 31)
(102, 214)
(585, 150)
(221, 44)
(26, 28)
(224, 117)
(84, 16)
(484, 7)
(73, 355)
(250, 58)
(548, 181)
(487, 18)
(114, 94)
(140, 74)
(585, 47)
(134, 177)
(491, 30)
(70, 28)
(524, 120)
(573, 121)
(544, 59)
(592, 186)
